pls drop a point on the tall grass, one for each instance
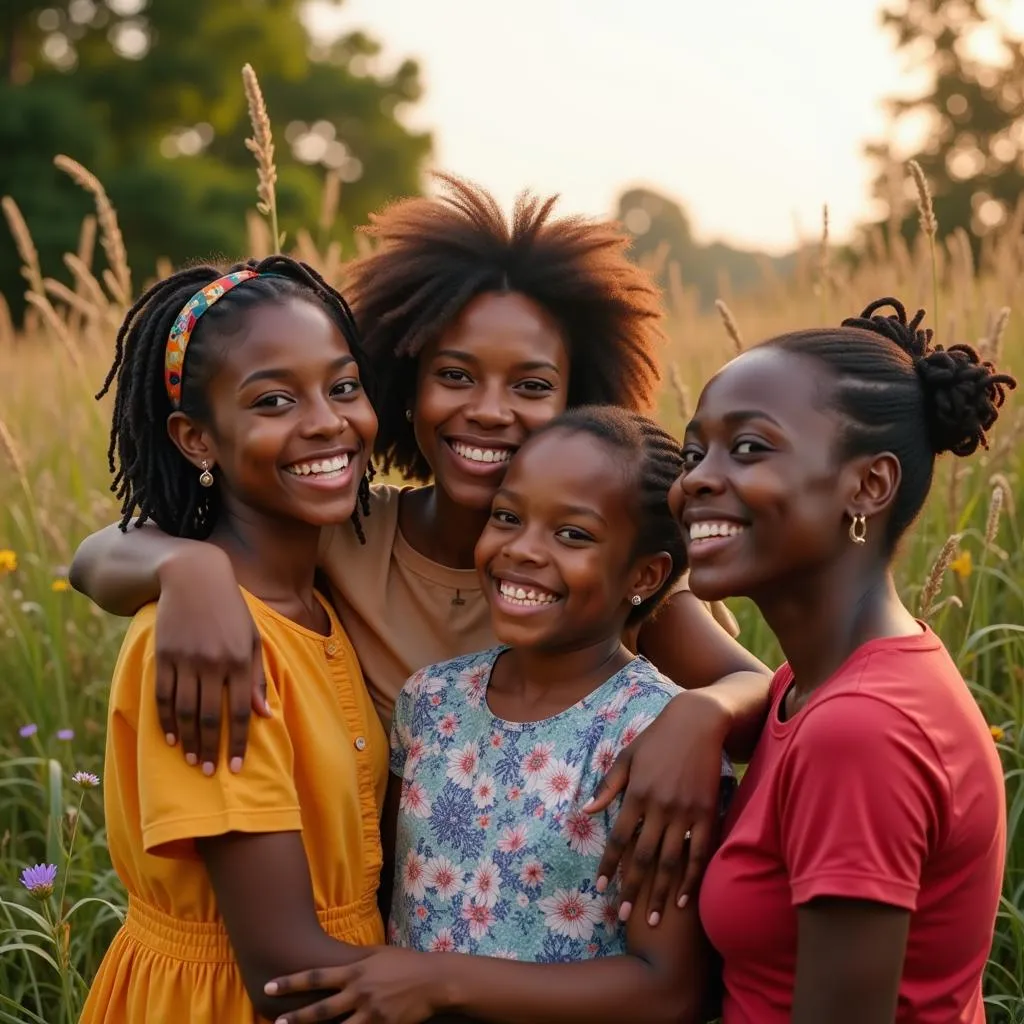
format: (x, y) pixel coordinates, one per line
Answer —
(962, 565)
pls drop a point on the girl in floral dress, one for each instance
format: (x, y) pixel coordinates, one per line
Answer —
(495, 756)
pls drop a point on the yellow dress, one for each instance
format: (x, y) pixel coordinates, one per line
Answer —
(318, 766)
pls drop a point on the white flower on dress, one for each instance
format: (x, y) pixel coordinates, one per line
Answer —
(604, 757)
(480, 919)
(522, 899)
(483, 792)
(505, 954)
(513, 839)
(444, 876)
(473, 683)
(558, 783)
(610, 712)
(431, 683)
(415, 748)
(571, 912)
(484, 883)
(532, 874)
(443, 942)
(414, 876)
(634, 729)
(462, 764)
(449, 725)
(586, 833)
(414, 800)
(536, 763)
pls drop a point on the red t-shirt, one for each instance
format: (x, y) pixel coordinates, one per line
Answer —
(885, 786)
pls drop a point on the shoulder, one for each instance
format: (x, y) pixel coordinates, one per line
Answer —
(339, 543)
(638, 694)
(137, 648)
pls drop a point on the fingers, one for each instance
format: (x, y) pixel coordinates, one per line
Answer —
(670, 861)
(640, 865)
(240, 706)
(611, 785)
(330, 1008)
(316, 980)
(211, 706)
(619, 838)
(259, 679)
(165, 695)
(696, 860)
(186, 712)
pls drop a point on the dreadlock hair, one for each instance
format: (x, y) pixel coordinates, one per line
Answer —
(899, 393)
(151, 476)
(654, 462)
(435, 255)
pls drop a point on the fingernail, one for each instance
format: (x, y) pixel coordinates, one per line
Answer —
(602, 884)
(207, 768)
(191, 759)
(654, 918)
(171, 738)
(266, 707)
(271, 989)
(624, 911)
(236, 764)
(586, 807)
(683, 900)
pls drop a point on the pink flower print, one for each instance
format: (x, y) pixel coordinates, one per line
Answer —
(484, 820)
(532, 874)
(514, 793)
(443, 876)
(480, 919)
(571, 912)
(513, 839)
(414, 800)
(604, 757)
(483, 792)
(443, 942)
(421, 912)
(462, 765)
(473, 683)
(496, 740)
(586, 834)
(610, 914)
(414, 876)
(392, 934)
(416, 682)
(592, 948)
(484, 883)
(505, 954)
(449, 725)
(637, 726)
(536, 763)
(539, 811)
(558, 783)
(414, 751)
(522, 900)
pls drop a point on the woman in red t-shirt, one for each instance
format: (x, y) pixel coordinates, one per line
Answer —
(861, 864)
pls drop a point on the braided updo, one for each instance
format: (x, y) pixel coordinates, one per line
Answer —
(899, 393)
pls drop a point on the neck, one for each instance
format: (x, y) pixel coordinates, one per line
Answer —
(822, 619)
(440, 529)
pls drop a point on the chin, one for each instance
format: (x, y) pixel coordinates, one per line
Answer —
(466, 494)
(709, 584)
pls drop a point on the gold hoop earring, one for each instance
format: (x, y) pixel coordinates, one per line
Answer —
(206, 477)
(859, 529)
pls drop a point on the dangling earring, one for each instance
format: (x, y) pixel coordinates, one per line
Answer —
(206, 477)
(408, 415)
(636, 600)
(858, 529)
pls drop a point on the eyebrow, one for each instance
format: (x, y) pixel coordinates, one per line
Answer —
(286, 374)
(579, 510)
(466, 357)
(737, 417)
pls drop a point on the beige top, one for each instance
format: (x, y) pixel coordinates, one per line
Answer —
(403, 611)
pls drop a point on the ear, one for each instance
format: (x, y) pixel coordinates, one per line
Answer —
(649, 574)
(876, 481)
(192, 439)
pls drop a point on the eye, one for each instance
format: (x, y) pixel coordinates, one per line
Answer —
(691, 456)
(454, 375)
(574, 535)
(503, 517)
(749, 447)
(535, 387)
(274, 401)
(347, 387)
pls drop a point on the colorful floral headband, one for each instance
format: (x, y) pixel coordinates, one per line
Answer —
(184, 325)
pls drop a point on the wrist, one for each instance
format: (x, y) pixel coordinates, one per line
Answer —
(448, 993)
(716, 714)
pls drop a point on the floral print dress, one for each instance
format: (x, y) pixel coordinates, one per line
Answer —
(494, 855)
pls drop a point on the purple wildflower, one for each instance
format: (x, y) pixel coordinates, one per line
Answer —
(39, 879)
(65, 734)
(28, 730)
(86, 780)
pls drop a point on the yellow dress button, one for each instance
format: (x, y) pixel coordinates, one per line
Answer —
(360, 743)
(332, 648)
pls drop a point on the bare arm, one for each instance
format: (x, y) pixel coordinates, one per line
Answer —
(849, 961)
(265, 896)
(205, 636)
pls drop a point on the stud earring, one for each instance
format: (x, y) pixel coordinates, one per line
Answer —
(636, 600)
(408, 415)
(206, 477)
(859, 529)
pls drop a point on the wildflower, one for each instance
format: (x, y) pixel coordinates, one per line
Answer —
(8, 561)
(39, 879)
(997, 734)
(58, 586)
(86, 780)
(65, 734)
(28, 730)
(962, 565)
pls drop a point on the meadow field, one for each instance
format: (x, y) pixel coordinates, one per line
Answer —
(962, 568)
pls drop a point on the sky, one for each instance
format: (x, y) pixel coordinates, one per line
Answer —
(751, 114)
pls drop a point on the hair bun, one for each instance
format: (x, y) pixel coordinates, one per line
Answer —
(963, 393)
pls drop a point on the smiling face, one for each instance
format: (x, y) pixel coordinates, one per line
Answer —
(556, 558)
(290, 426)
(497, 374)
(764, 495)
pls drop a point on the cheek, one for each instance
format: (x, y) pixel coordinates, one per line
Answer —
(487, 547)
(533, 413)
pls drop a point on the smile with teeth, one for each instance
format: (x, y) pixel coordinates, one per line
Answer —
(707, 530)
(473, 454)
(528, 597)
(324, 467)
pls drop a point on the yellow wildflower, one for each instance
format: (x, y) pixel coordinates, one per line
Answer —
(962, 565)
(997, 734)
(58, 586)
(8, 561)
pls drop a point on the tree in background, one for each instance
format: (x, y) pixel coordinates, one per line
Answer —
(149, 96)
(973, 114)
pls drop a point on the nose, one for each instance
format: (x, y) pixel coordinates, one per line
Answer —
(525, 547)
(323, 418)
(706, 477)
(489, 406)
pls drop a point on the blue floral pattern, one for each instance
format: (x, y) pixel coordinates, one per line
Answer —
(494, 854)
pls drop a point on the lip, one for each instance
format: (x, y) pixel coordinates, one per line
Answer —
(508, 607)
(711, 515)
(706, 548)
(334, 453)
